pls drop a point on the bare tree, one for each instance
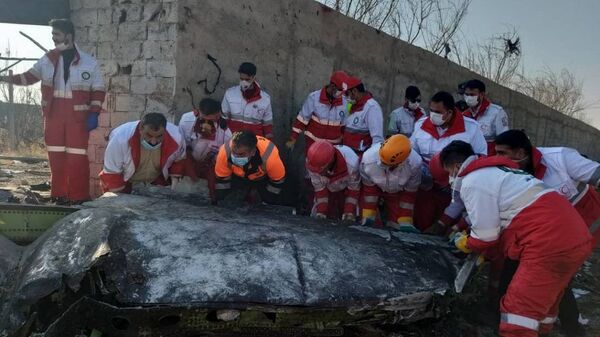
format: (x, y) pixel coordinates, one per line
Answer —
(28, 119)
(431, 24)
(497, 58)
(559, 90)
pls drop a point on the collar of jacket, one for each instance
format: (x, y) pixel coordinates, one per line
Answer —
(457, 126)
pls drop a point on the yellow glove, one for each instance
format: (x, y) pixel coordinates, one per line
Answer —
(290, 144)
(460, 241)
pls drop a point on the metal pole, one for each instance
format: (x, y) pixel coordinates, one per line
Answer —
(12, 129)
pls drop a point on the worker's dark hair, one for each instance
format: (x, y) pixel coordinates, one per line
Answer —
(245, 139)
(461, 88)
(209, 106)
(515, 139)
(64, 25)
(247, 68)
(456, 153)
(412, 92)
(154, 120)
(475, 84)
(445, 98)
(361, 87)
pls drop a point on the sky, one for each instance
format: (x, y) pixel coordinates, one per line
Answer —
(554, 33)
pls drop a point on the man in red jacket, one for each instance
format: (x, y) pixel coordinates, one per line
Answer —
(72, 96)
(529, 222)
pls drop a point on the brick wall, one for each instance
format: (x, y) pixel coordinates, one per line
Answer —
(134, 42)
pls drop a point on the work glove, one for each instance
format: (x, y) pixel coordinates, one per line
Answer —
(92, 121)
(404, 227)
(437, 228)
(290, 144)
(320, 216)
(460, 242)
(348, 217)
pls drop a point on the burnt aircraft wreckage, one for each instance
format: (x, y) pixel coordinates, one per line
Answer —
(131, 265)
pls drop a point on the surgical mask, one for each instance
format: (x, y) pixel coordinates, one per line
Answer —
(239, 161)
(61, 46)
(149, 146)
(245, 85)
(413, 105)
(471, 101)
(436, 118)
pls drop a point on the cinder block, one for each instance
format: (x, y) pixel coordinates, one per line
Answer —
(129, 103)
(85, 17)
(158, 31)
(161, 68)
(126, 51)
(118, 118)
(137, 31)
(158, 104)
(143, 85)
(120, 84)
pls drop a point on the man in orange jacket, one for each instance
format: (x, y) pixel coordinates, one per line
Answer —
(247, 162)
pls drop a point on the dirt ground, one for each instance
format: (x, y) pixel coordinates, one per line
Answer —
(26, 180)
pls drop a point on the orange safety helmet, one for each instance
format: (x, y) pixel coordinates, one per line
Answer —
(439, 175)
(320, 155)
(394, 150)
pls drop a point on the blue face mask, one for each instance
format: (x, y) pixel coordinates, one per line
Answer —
(149, 146)
(239, 161)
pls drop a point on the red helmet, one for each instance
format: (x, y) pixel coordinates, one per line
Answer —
(320, 155)
(340, 79)
(439, 175)
(353, 82)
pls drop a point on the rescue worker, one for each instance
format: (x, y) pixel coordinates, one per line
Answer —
(249, 162)
(574, 177)
(72, 97)
(149, 151)
(390, 171)
(403, 119)
(247, 106)
(444, 125)
(204, 131)
(564, 169)
(491, 117)
(531, 223)
(334, 173)
(323, 114)
(364, 124)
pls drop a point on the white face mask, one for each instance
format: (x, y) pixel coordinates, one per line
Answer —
(436, 118)
(471, 101)
(413, 105)
(245, 85)
(61, 46)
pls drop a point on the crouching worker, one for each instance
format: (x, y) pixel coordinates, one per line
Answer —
(333, 171)
(204, 131)
(391, 171)
(249, 162)
(150, 151)
(531, 223)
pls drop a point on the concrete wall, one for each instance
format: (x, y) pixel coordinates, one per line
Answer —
(150, 50)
